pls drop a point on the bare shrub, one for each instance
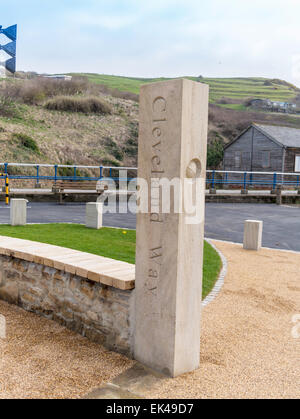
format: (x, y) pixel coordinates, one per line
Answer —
(86, 105)
(248, 101)
(228, 101)
(8, 108)
(35, 91)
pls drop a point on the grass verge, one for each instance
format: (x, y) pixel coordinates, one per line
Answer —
(108, 242)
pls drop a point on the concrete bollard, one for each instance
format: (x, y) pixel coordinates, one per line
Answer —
(18, 212)
(94, 215)
(253, 235)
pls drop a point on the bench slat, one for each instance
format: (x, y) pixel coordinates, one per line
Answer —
(61, 185)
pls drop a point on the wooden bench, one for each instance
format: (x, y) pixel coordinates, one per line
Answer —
(61, 186)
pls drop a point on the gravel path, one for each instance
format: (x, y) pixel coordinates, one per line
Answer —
(40, 359)
(247, 347)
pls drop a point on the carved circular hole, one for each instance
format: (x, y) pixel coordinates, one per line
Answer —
(194, 169)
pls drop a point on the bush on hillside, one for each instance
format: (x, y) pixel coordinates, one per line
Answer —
(8, 108)
(131, 145)
(85, 105)
(35, 91)
(248, 101)
(229, 101)
(112, 148)
(26, 141)
(215, 153)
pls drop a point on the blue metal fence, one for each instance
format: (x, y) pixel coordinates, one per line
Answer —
(105, 172)
(218, 178)
(214, 178)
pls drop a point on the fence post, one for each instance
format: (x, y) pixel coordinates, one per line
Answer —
(212, 188)
(75, 173)
(37, 185)
(245, 190)
(55, 173)
(101, 172)
(6, 184)
(274, 184)
(225, 184)
(279, 195)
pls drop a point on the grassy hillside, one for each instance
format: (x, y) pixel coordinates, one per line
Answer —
(38, 125)
(232, 88)
(93, 120)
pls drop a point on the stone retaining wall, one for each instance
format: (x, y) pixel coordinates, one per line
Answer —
(99, 312)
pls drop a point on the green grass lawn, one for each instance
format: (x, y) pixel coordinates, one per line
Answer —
(108, 242)
(234, 88)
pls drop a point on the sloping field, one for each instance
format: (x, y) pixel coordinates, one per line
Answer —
(233, 88)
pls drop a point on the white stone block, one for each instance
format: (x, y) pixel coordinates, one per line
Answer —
(94, 215)
(18, 212)
(253, 235)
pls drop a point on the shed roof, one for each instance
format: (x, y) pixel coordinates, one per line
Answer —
(287, 137)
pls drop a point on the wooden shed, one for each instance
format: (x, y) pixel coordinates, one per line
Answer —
(264, 148)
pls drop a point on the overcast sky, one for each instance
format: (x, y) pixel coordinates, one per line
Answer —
(147, 38)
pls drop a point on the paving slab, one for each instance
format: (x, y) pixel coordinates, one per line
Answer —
(104, 270)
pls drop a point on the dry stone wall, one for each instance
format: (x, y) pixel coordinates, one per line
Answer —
(102, 314)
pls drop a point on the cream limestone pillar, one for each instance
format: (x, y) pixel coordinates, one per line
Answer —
(169, 257)
(253, 235)
(18, 212)
(94, 215)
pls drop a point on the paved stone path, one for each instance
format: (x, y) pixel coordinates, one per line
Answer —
(223, 221)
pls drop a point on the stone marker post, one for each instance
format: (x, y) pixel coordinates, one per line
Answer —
(253, 235)
(18, 212)
(94, 215)
(172, 145)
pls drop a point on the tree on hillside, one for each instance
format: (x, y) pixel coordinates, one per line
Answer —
(215, 154)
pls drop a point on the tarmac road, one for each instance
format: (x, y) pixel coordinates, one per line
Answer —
(223, 221)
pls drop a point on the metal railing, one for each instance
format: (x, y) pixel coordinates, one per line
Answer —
(219, 178)
(103, 171)
(214, 178)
